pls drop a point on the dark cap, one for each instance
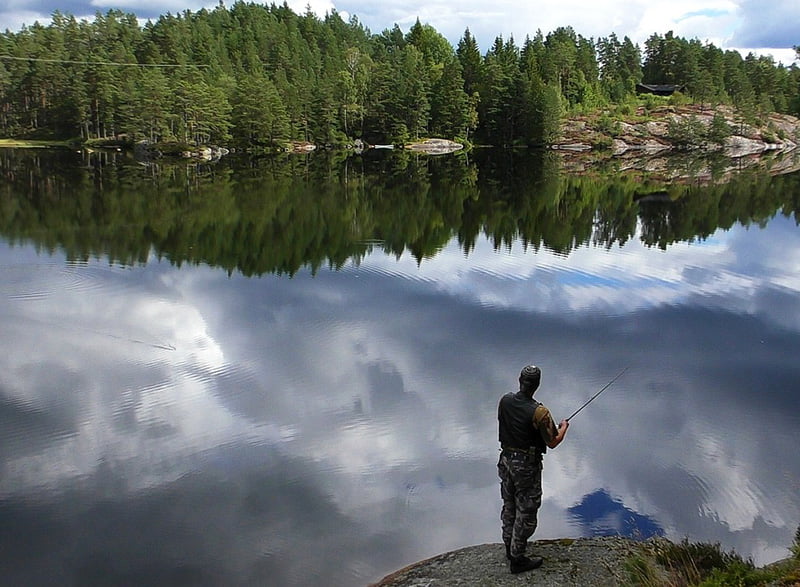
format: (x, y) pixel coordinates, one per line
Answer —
(530, 374)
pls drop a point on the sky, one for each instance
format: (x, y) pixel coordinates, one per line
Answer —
(747, 25)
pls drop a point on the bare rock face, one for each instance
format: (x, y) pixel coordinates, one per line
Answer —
(435, 146)
(585, 561)
(649, 132)
(739, 146)
(657, 129)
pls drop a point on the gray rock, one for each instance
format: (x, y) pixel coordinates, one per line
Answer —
(567, 562)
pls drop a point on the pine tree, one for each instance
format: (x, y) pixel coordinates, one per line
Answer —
(258, 114)
(471, 63)
(451, 111)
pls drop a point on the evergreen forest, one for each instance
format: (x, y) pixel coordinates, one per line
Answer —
(253, 74)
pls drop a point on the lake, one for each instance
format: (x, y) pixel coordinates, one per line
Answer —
(286, 370)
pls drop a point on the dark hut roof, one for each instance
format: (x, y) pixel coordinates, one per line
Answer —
(659, 88)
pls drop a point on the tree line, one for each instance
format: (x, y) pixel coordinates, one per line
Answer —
(252, 74)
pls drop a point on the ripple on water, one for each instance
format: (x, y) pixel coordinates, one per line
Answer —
(33, 282)
(388, 272)
(25, 285)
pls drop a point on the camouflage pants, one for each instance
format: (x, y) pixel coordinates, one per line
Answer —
(521, 490)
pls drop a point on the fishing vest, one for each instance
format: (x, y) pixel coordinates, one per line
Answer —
(515, 414)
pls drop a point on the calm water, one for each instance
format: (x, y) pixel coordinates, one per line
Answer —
(286, 372)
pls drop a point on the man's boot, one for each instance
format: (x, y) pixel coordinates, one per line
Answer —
(520, 564)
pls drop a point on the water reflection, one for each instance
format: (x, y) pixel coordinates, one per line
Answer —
(281, 215)
(601, 515)
(174, 421)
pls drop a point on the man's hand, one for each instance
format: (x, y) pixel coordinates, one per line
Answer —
(562, 432)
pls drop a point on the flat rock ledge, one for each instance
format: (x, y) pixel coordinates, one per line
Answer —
(567, 562)
(648, 135)
(435, 146)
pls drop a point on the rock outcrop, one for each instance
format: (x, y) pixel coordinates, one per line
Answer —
(648, 133)
(567, 562)
(647, 144)
(434, 146)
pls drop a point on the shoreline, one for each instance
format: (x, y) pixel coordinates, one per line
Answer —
(579, 562)
(598, 561)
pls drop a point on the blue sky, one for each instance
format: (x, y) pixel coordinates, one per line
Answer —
(748, 25)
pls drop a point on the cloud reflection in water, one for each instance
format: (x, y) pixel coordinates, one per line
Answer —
(182, 425)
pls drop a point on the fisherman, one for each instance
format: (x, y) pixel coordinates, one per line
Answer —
(526, 431)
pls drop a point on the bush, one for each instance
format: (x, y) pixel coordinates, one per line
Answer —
(695, 561)
(736, 573)
(706, 565)
(641, 572)
(719, 130)
(625, 109)
(399, 134)
(121, 142)
(172, 148)
(679, 99)
(608, 126)
(686, 132)
(602, 142)
(651, 101)
(772, 134)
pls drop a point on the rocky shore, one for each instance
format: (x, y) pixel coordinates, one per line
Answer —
(567, 562)
(653, 131)
(599, 562)
(645, 143)
(644, 140)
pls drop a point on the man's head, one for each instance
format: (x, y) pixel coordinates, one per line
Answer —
(529, 379)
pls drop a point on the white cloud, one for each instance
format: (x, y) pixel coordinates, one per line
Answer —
(743, 24)
(746, 24)
(14, 20)
(764, 25)
(716, 21)
(151, 6)
(318, 7)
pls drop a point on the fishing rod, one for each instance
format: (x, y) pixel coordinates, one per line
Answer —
(606, 386)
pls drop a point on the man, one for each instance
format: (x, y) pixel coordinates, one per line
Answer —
(527, 430)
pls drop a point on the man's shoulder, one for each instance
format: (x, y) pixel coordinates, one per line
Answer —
(507, 399)
(541, 413)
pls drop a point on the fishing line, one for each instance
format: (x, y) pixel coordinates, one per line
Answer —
(606, 386)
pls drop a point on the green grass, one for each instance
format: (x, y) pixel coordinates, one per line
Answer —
(33, 144)
(693, 564)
